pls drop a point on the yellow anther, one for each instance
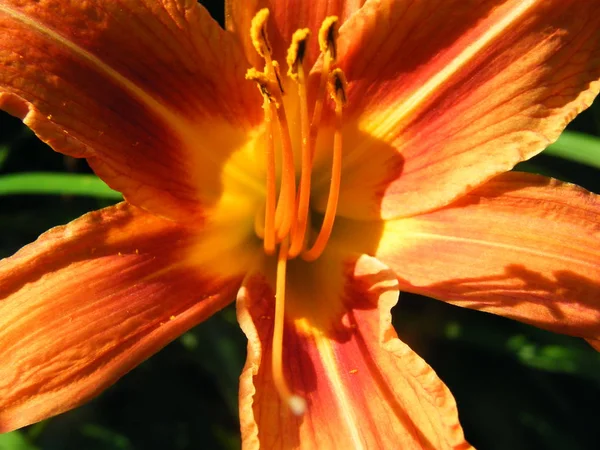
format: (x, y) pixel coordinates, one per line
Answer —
(258, 32)
(296, 52)
(337, 86)
(328, 34)
(263, 82)
(256, 75)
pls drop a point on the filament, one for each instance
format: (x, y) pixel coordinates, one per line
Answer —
(334, 191)
(271, 182)
(296, 403)
(299, 232)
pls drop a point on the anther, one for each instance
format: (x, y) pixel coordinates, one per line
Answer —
(258, 32)
(328, 34)
(297, 51)
(263, 82)
(337, 87)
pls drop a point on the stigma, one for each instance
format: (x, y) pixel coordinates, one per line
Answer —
(284, 224)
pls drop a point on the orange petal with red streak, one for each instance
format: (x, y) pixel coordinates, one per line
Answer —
(363, 386)
(89, 301)
(521, 246)
(461, 90)
(137, 87)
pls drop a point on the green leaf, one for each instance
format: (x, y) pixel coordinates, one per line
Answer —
(108, 438)
(579, 147)
(15, 441)
(555, 358)
(3, 154)
(46, 183)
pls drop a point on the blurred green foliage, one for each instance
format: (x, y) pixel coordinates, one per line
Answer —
(517, 387)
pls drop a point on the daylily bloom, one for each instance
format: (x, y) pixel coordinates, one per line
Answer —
(370, 160)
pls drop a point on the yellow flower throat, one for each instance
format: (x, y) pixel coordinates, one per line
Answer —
(286, 219)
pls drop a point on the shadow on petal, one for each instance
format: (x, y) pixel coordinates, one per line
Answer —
(560, 303)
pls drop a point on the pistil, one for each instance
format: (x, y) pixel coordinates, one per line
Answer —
(296, 403)
(287, 218)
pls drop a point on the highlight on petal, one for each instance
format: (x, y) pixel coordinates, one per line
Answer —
(88, 301)
(521, 246)
(156, 118)
(462, 90)
(286, 17)
(364, 388)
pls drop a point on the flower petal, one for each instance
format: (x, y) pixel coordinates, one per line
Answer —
(521, 246)
(149, 91)
(89, 301)
(462, 90)
(287, 16)
(363, 386)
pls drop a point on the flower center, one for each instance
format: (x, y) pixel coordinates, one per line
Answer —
(285, 223)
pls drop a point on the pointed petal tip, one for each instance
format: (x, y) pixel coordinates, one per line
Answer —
(539, 238)
(102, 294)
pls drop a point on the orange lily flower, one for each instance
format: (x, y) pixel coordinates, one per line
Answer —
(373, 165)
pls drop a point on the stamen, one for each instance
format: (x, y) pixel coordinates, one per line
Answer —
(267, 230)
(296, 403)
(295, 61)
(260, 41)
(284, 213)
(337, 90)
(328, 34)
